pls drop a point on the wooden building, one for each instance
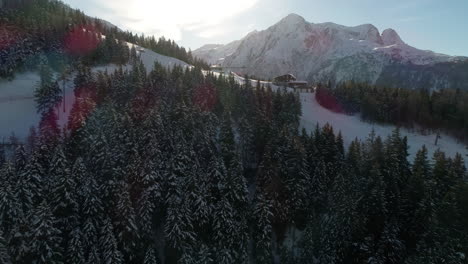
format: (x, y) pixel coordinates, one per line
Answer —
(289, 80)
(285, 78)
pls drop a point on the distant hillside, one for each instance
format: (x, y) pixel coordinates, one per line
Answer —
(34, 30)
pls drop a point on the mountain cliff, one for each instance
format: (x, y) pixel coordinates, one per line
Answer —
(328, 51)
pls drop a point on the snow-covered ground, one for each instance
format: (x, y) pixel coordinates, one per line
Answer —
(17, 106)
(149, 57)
(353, 127)
(18, 109)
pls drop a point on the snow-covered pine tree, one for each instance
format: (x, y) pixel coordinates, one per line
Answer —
(11, 210)
(416, 199)
(110, 253)
(223, 232)
(93, 257)
(31, 185)
(198, 196)
(263, 230)
(126, 230)
(20, 159)
(75, 248)
(4, 255)
(47, 94)
(150, 256)
(227, 140)
(63, 188)
(440, 175)
(44, 238)
(178, 228)
(203, 254)
(92, 212)
(49, 131)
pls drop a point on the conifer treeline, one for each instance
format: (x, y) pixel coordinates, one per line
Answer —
(30, 29)
(445, 110)
(178, 167)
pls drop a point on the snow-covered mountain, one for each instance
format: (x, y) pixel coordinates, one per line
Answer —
(327, 51)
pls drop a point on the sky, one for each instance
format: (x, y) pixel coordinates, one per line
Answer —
(441, 26)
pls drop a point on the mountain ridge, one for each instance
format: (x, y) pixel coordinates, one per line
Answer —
(319, 52)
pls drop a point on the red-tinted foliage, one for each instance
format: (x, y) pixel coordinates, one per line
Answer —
(81, 40)
(329, 101)
(205, 96)
(83, 106)
(9, 35)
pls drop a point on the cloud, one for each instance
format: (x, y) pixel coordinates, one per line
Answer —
(171, 17)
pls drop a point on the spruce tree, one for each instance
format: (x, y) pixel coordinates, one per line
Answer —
(48, 93)
(75, 253)
(45, 238)
(126, 229)
(110, 253)
(150, 256)
(263, 230)
(4, 255)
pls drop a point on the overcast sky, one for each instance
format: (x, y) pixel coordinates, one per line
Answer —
(438, 25)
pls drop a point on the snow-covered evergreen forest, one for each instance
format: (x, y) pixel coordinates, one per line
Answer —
(179, 165)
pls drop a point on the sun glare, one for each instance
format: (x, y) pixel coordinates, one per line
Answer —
(170, 18)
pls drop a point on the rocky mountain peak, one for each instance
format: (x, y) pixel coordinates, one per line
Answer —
(391, 37)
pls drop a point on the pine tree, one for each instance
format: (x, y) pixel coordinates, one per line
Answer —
(150, 256)
(223, 230)
(92, 210)
(147, 210)
(4, 255)
(11, 210)
(440, 175)
(418, 199)
(126, 229)
(31, 184)
(263, 230)
(48, 93)
(110, 253)
(45, 238)
(203, 255)
(63, 186)
(20, 159)
(93, 257)
(75, 248)
(227, 141)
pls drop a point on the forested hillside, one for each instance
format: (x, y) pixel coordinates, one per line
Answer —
(34, 29)
(179, 165)
(445, 110)
(176, 167)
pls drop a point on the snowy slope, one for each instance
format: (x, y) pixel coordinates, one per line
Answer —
(352, 127)
(215, 53)
(17, 106)
(327, 51)
(150, 57)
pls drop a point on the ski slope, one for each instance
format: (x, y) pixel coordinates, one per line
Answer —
(18, 109)
(149, 57)
(353, 127)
